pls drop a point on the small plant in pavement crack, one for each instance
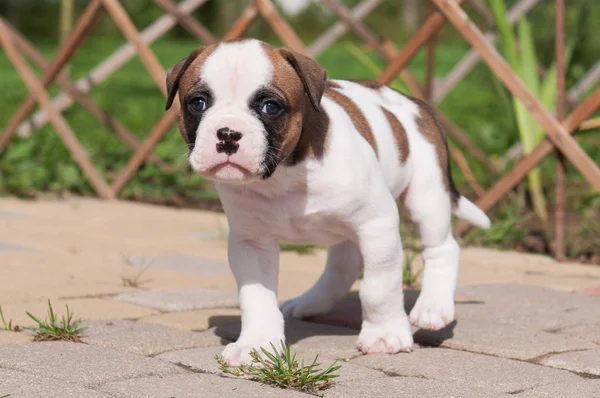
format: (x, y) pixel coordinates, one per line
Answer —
(8, 326)
(283, 370)
(53, 328)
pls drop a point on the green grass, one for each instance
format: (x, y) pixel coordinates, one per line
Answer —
(280, 368)
(8, 326)
(409, 277)
(53, 328)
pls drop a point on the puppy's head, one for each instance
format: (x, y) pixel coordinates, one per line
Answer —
(243, 104)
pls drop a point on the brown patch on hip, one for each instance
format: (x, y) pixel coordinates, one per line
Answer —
(358, 118)
(431, 129)
(399, 135)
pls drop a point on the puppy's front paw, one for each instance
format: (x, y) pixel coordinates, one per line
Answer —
(390, 338)
(432, 313)
(238, 353)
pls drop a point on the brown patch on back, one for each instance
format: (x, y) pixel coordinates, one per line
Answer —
(372, 84)
(305, 134)
(399, 135)
(332, 84)
(431, 129)
(358, 118)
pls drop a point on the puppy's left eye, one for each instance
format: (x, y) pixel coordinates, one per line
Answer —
(271, 108)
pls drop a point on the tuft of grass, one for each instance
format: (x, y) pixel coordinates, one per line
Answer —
(8, 326)
(53, 328)
(409, 278)
(283, 370)
(134, 279)
(300, 249)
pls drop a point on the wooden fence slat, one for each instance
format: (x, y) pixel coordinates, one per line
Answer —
(471, 59)
(187, 21)
(281, 27)
(73, 41)
(124, 23)
(37, 90)
(85, 100)
(560, 211)
(330, 36)
(555, 131)
(241, 24)
(115, 61)
(531, 160)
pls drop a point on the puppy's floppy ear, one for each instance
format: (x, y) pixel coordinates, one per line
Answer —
(312, 75)
(174, 75)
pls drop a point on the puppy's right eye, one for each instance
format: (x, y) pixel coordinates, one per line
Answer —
(197, 105)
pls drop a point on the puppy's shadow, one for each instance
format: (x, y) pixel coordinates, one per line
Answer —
(344, 320)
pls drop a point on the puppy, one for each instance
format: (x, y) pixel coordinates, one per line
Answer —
(301, 158)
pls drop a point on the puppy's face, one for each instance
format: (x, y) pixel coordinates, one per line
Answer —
(242, 106)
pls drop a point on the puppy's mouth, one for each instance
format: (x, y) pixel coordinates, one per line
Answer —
(229, 171)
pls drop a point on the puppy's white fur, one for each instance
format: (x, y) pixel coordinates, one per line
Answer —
(346, 199)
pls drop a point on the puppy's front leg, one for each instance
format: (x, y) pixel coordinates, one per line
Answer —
(255, 266)
(385, 327)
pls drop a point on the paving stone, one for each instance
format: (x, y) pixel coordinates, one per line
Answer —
(359, 381)
(9, 215)
(308, 337)
(194, 265)
(587, 362)
(145, 338)
(582, 388)
(527, 305)
(195, 385)
(465, 368)
(196, 359)
(86, 308)
(14, 338)
(26, 385)
(13, 247)
(81, 364)
(508, 341)
(196, 320)
(181, 299)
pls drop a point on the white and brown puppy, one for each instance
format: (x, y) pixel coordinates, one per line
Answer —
(300, 158)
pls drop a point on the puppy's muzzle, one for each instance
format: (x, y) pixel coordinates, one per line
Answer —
(228, 140)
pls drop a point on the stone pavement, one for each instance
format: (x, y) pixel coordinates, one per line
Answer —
(159, 302)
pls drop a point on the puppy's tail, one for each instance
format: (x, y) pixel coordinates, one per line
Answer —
(469, 211)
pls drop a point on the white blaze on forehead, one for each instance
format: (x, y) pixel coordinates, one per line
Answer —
(234, 71)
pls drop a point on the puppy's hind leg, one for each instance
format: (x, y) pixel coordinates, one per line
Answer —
(430, 208)
(344, 263)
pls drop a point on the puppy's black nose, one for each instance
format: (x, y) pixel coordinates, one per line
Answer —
(228, 140)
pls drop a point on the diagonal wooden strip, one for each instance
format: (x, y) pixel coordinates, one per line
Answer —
(433, 24)
(471, 59)
(331, 35)
(124, 23)
(555, 131)
(187, 21)
(281, 27)
(524, 166)
(241, 24)
(116, 60)
(85, 100)
(74, 40)
(36, 88)
(140, 155)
